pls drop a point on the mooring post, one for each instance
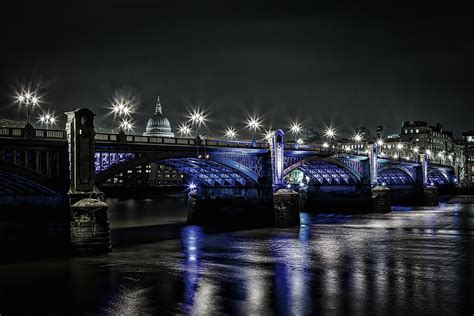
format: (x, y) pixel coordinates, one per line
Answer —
(90, 230)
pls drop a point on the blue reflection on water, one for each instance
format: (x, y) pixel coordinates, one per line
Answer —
(191, 242)
(402, 208)
(330, 218)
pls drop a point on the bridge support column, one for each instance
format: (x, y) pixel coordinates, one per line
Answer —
(380, 201)
(430, 192)
(286, 208)
(286, 205)
(90, 231)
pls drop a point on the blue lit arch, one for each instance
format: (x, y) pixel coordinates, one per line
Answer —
(394, 176)
(207, 172)
(323, 172)
(437, 177)
(326, 171)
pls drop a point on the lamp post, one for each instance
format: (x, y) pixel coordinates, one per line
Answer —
(295, 129)
(416, 150)
(399, 147)
(358, 138)
(197, 118)
(47, 119)
(379, 145)
(29, 99)
(230, 133)
(184, 130)
(330, 133)
(123, 110)
(254, 124)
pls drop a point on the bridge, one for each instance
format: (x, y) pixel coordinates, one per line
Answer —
(65, 167)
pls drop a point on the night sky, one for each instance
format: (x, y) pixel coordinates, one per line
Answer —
(346, 64)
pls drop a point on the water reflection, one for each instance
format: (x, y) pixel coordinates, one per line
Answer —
(416, 261)
(191, 240)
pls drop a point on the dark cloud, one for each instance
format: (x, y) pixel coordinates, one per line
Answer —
(349, 63)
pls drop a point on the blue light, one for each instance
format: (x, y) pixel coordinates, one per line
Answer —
(192, 186)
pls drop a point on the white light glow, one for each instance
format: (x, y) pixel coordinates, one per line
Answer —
(126, 125)
(197, 117)
(357, 137)
(330, 132)
(254, 123)
(184, 130)
(230, 133)
(295, 128)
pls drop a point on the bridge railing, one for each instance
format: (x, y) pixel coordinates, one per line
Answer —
(139, 139)
(19, 132)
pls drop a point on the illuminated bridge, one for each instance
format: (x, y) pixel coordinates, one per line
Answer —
(71, 163)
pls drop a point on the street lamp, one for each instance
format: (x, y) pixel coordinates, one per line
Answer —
(198, 118)
(253, 124)
(184, 130)
(29, 99)
(295, 129)
(123, 110)
(399, 147)
(126, 125)
(440, 156)
(268, 135)
(358, 139)
(330, 133)
(416, 150)
(47, 119)
(230, 133)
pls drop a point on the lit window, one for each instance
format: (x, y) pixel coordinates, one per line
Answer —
(417, 131)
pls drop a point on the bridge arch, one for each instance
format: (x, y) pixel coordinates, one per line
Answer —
(438, 177)
(24, 175)
(23, 183)
(395, 175)
(214, 171)
(326, 171)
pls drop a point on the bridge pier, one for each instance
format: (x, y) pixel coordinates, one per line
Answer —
(286, 208)
(430, 192)
(90, 230)
(380, 199)
(191, 206)
(430, 196)
(231, 207)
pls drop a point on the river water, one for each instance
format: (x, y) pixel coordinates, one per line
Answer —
(411, 261)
